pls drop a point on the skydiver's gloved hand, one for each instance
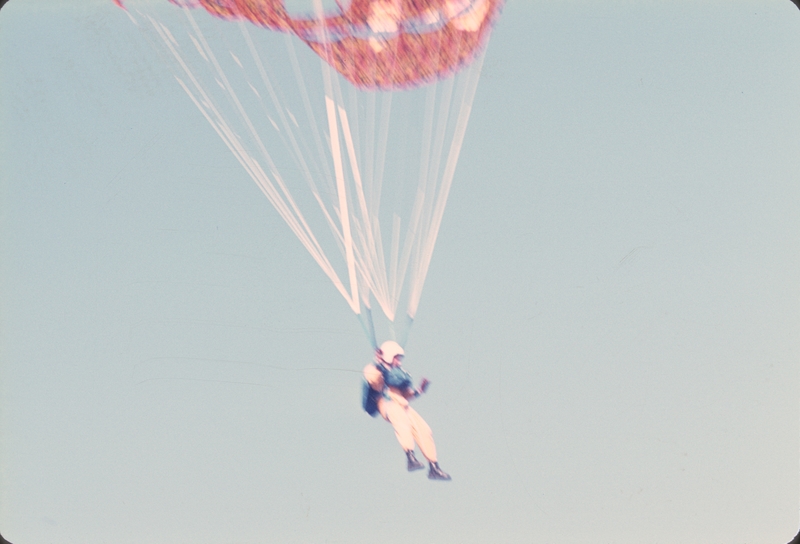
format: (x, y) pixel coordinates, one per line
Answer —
(423, 385)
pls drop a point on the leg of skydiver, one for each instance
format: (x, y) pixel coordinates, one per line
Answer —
(413, 463)
(397, 416)
(422, 434)
(436, 473)
(424, 437)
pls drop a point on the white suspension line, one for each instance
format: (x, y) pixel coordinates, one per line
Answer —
(343, 209)
(357, 230)
(365, 278)
(298, 73)
(458, 139)
(377, 181)
(355, 116)
(369, 170)
(432, 183)
(297, 153)
(253, 132)
(255, 172)
(383, 140)
(393, 260)
(378, 272)
(419, 269)
(251, 166)
(413, 234)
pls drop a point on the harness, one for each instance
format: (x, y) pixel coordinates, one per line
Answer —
(392, 377)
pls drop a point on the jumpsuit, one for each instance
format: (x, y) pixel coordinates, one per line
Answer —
(396, 389)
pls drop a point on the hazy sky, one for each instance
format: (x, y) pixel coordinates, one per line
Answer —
(610, 322)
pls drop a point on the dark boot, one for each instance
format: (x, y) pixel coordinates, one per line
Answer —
(413, 464)
(436, 473)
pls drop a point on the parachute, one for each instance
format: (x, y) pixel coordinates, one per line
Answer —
(380, 44)
(336, 150)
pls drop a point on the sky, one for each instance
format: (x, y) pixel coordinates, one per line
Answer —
(610, 321)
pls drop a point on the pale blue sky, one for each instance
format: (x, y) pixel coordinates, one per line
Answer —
(610, 321)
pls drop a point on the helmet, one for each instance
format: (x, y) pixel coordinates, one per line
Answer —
(389, 350)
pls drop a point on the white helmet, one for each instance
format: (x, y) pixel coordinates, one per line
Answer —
(389, 350)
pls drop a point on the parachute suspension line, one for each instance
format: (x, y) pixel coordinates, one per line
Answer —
(439, 187)
(367, 325)
(253, 132)
(298, 73)
(353, 214)
(340, 237)
(364, 262)
(356, 124)
(344, 216)
(371, 226)
(369, 171)
(413, 234)
(367, 231)
(402, 337)
(287, 127)
(217, 121)
(432, 191)
(356, 265)
(429, 181)
(367, 258)
(369, 181)
(210, 57)
(380, 152)
(391, 281)
(366, 235)
(471, 87)
(351, 128)
(365, 285)
(414, 231)
(393, 257)
(377, 183)
(368, 241)
(371, 328)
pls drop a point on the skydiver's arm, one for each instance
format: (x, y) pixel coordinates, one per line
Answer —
(374, 377)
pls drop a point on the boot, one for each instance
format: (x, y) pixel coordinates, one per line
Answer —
(413, 464)
(436, 473)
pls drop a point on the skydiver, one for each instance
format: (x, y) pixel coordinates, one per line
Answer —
(387, 390)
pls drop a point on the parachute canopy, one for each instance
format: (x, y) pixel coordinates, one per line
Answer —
(378, 44)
